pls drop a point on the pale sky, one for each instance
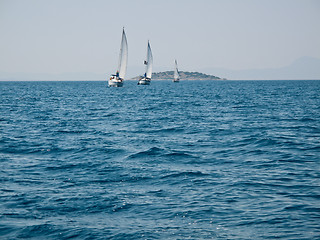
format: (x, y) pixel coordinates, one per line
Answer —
(57, 36)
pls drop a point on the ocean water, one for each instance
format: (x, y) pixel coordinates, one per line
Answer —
(188, 160)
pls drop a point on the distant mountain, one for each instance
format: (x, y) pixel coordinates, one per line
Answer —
(303, 68)
(168, 75)
(76, 76)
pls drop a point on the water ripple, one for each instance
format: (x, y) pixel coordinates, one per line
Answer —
(198, 160)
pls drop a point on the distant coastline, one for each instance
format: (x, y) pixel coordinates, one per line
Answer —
(168, 75)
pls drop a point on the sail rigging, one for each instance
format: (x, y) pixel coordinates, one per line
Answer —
(176, 72)
(123, 56)
(149, 62)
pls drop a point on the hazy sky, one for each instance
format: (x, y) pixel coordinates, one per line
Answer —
(59, 36)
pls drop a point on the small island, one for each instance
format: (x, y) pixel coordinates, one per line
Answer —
(168, 75)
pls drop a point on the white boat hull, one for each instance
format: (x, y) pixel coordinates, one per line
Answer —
(115, 82)
(144, 81)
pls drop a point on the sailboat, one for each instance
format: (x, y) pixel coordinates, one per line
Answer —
(116, 80)
(176, 77)
(146, 78)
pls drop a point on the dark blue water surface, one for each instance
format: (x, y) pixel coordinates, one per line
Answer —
(193, 160)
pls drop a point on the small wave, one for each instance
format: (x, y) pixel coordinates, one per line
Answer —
(71, 131)
(120, 178)
(110, 114)
(150, 152)
(271, 221)
(50, 231)
(168, 130)
(265, 142)
(112, 151)
(240, 106)
(307, 119)
(158, 193)
(150, 108)
(312, 210)
(185, 174)
(315, 148)
(164, 154)
(21, 150)
(177, 155)
(121, 207)
(64, 167)
(294, 207)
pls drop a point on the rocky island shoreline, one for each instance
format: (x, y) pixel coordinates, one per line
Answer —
(168, 75)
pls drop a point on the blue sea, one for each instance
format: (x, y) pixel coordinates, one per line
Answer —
(189, 160)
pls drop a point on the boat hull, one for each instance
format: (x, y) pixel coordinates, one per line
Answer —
(115, 82)
(176, 80)
(144, 81)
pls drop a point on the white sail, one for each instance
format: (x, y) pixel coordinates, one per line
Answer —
(176, 72)
(149, 62)
(123, 57)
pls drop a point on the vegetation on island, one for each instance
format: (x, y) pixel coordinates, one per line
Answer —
(168, 75)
